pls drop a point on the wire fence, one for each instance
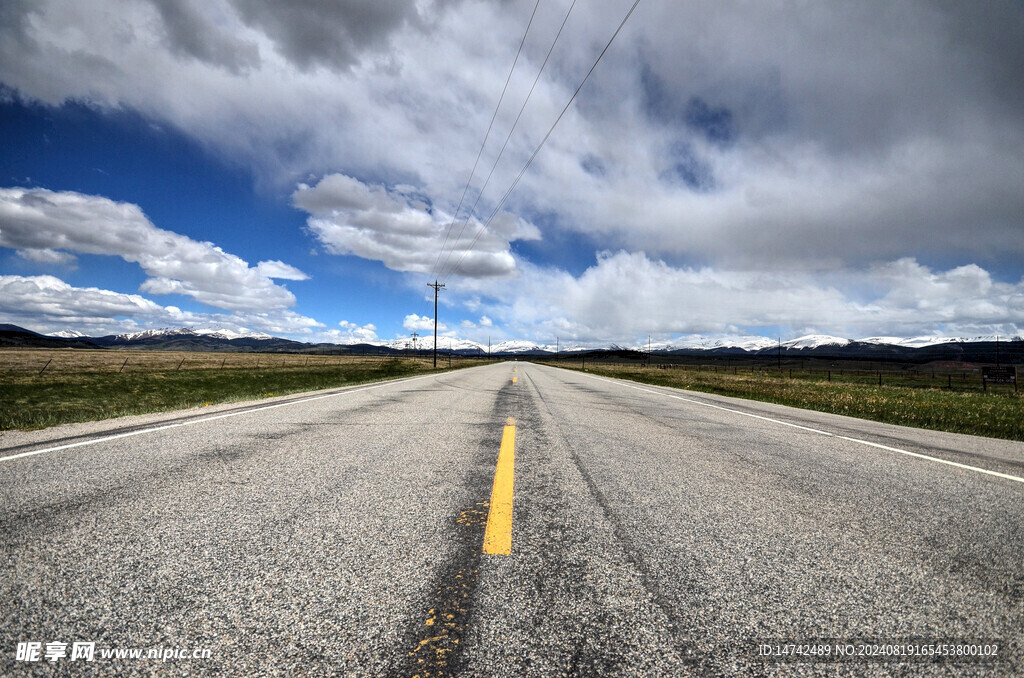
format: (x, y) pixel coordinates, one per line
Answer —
(949, 376)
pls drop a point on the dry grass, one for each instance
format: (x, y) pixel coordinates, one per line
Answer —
(77, 361)
(45, 387)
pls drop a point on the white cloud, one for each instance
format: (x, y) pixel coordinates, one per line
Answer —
(37, 221)
(402, 230)
(897, 134)
(350, 333)
(485, 321)
(280, 270)
(421, 323)
(798, 151)
(48, 304)
(628, 295)
(48, 256)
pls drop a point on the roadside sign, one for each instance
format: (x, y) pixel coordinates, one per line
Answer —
(999, 375)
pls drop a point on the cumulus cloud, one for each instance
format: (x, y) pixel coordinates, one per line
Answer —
(627, 295)
(38, 222)
(349, 333)
(326, 33)
(402, 230)
(48, 256)
(48, 304)
(754, 136)
(809, 147)
(421, 323)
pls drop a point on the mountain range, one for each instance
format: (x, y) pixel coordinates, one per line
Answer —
(916, 349)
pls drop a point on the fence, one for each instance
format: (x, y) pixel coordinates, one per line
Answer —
(957, 377)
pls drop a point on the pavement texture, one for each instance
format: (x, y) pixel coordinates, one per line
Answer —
(655, 532)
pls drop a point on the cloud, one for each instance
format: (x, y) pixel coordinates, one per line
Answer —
(421, 323)
(350, 333)
(628, 295)
(38, 221)
(48, 304)
(48, 256)
(402, 230)
(325, 33)
(280, 271)
(485, 321)
(810, 147)
(189, 34)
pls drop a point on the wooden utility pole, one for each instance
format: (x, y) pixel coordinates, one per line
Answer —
(437, 288)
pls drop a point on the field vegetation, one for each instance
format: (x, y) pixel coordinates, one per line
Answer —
(43, 387)
(945, 401)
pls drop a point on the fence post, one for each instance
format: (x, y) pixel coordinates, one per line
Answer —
(879, 377)
(45, 366)
(179, 365)
(122, 365)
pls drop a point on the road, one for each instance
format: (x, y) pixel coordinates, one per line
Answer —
(654, 533)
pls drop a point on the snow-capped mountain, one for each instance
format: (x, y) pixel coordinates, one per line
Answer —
(519, 346)
(240, 338)
(170, 332)
(699, 343)
(815, 341)
(224, 333)
(161, 332)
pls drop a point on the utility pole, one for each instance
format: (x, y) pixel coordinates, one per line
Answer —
(415, 335)
(780, 354)
(437, 288)
(488, 348)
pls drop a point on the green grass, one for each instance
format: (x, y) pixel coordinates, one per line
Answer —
(32, 401)
(995, 414)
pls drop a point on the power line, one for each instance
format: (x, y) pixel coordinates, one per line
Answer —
(486, 136)
(544, 140)
(522, 108)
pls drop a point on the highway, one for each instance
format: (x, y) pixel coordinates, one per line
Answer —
(653, 532)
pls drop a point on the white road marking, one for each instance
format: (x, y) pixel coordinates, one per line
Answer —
(154, 429)
(1005, 476)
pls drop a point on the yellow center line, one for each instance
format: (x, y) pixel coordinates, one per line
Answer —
(513, 380)
(498, 535)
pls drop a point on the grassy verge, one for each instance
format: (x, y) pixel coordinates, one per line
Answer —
(88, 391)
(995, 415)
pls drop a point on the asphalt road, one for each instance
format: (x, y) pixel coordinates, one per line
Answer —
(655, 533)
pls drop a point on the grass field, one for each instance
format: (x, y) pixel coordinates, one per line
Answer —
(40, 388)
(999, 413)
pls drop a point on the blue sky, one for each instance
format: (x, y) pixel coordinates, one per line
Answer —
(728, 170)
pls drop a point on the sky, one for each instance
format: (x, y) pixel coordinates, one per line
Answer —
(304, 168)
